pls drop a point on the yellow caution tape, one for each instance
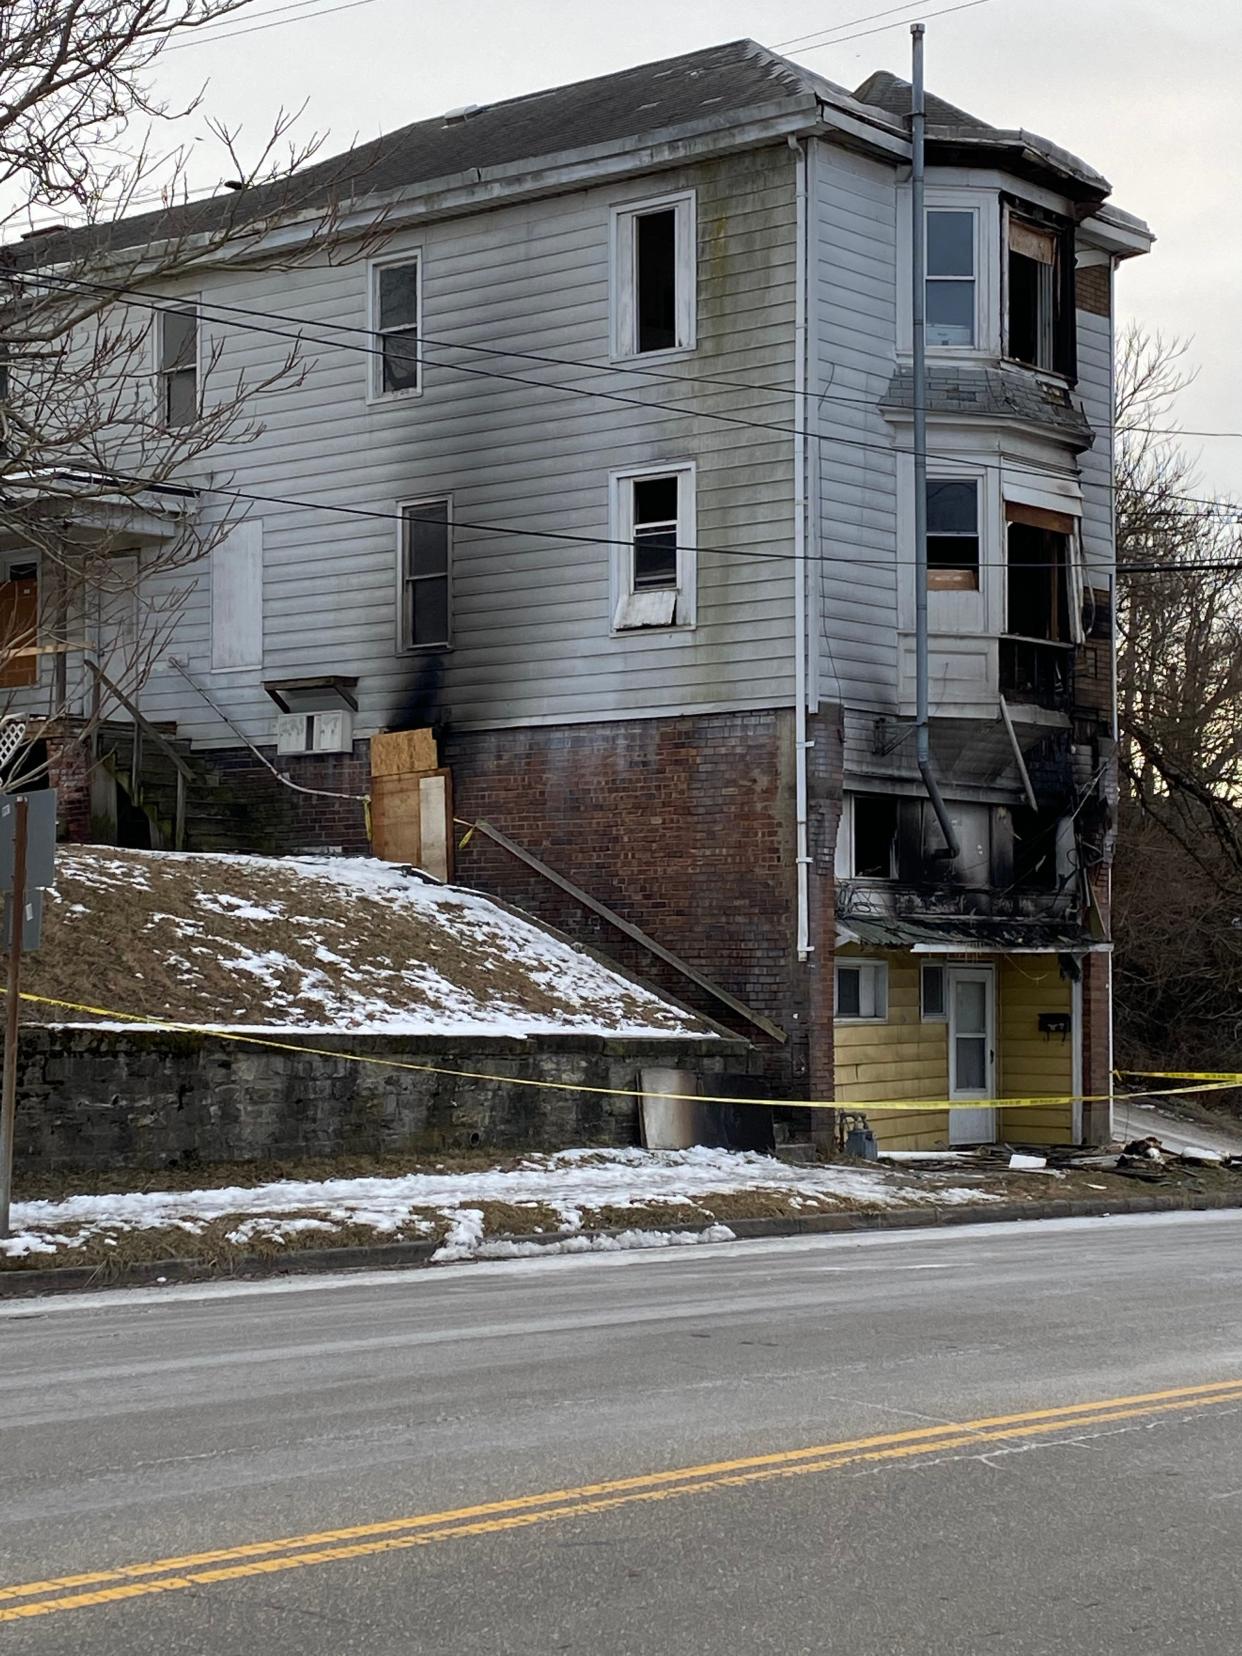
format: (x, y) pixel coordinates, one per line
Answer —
(900, 1105)
(1224, 1078)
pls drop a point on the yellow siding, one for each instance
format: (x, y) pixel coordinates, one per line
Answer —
(902, 1058)
(1031, 1063)
(906, 1058)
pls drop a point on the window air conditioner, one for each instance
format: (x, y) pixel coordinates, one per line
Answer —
(327, 732)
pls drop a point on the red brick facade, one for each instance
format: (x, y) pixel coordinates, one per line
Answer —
(685, 826)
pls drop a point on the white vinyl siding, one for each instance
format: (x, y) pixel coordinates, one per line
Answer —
(532, 612)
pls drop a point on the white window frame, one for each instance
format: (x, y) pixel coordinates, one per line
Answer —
(879, 993)
(375, 374)
(985, 204)
(621, 535)
(404, 645)
(623, 307)
(941, 1017)
(194, 302)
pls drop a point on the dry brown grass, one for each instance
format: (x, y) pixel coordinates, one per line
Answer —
(141, 934)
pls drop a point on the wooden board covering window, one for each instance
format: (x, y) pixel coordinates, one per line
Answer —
(19, 623)
(952, 580)
(1060, 523)
(400, 752)
(1040, 245)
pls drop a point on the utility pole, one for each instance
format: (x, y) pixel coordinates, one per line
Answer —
(12, 1011)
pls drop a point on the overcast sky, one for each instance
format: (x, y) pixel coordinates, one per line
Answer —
(1147, 91)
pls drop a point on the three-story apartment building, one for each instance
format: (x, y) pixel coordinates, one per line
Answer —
(601, 465)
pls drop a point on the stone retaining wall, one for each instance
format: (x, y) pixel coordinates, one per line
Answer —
(94, 1100)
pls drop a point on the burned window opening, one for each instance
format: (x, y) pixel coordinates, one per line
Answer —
(655, 267)
(1035, 841)
(1040, 308)
(1038, 588)
(875, 837)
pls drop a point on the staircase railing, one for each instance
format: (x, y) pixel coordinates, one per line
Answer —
(144, 728)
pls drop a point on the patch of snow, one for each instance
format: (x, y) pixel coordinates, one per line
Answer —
(567, 1183)
(622, 1242)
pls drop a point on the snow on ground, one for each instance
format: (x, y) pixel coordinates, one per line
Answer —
(567, 1183)
(316, 943)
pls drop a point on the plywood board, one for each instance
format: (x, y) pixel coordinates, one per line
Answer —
(400, 752)
(396, 833)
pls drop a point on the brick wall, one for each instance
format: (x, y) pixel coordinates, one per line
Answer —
(685, 826)
(68, 771)
(1096, 1044)
(1093, 289)
(240, 805)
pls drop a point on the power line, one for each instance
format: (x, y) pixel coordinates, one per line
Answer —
(155, 303)
(399, 515)
(881, 28)
(201, 38)
(816, 34)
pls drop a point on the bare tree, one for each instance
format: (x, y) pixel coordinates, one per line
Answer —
(1178, 884)
(110, 414)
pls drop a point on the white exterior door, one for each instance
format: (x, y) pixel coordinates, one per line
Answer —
(972, 1052)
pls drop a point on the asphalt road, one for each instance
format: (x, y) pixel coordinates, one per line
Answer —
(1020, 1439)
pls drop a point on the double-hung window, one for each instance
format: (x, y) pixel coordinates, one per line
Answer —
(395, 304)
(177, 353)
(862, 991)
(653, 276)
(953, 534)
(426, 574)
(951, 257)
(652, 521)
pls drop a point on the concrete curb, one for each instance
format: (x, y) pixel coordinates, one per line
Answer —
(16, 1284)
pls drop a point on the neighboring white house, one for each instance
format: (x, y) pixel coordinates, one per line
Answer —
(601, 465)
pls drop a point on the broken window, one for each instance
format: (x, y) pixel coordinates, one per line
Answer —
(177, 340)
(1037, 604)
(655, 265)
(950, 300)
(653, 515)
(1036, 837)
(862, 990)
(655, 533)
(396, 304)
(653, 277)
(1039, 322)
(426, 551)
(953, 534)
(875, 836)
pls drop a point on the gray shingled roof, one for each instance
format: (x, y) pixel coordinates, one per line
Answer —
(890, 93)
(629, 104)
(993, 393)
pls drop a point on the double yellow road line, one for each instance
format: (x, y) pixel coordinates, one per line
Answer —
(296, 1552)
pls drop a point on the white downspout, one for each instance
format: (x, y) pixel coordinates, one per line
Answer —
(801, 265)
